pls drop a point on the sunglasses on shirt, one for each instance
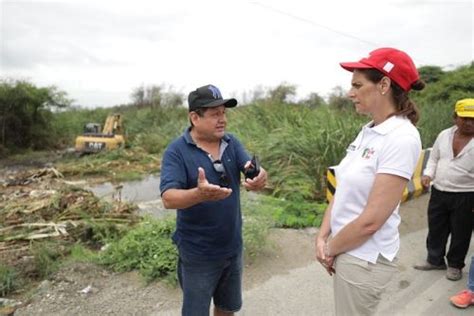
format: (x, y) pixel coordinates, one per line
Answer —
(223, 179)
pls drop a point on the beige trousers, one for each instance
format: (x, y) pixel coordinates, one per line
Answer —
(358, 284)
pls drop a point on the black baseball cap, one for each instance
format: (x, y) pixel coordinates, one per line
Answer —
(208, 96)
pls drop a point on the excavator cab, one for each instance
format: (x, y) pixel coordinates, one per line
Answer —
(92, 128)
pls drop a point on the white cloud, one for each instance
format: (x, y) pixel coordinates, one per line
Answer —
(98, 51)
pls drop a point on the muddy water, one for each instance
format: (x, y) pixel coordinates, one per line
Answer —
(144, 190)
(145, 193)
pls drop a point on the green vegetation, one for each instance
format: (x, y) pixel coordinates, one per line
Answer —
(147, 248)
(47, 255)
(81, 253)
(296, 144)
(438, 99)
(69, 123)
(9, 280)
(257, 221)
(296, 141)
(25, 115)
(154, 128)
(447, 87)
(299, 214)
(280, 212)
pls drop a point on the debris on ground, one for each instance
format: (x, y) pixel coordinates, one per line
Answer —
(40, 205)
(29, 177)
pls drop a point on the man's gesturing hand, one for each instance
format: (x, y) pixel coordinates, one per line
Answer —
(209, 191)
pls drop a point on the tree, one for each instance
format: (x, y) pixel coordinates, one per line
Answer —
(156, 97)
(282, 93)
(172, 99)
(430, 74)
(25, 113)
(339, 100)
(138, 96)
(449, 88)
(314, 100)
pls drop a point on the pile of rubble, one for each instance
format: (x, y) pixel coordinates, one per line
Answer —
(40, 205)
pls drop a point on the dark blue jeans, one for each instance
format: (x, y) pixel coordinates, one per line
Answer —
(204, 279)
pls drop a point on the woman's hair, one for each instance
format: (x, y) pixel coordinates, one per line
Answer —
(404, 106)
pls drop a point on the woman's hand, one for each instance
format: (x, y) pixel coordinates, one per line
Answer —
(322, 256)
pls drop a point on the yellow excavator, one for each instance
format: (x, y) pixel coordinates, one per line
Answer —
(94, 140)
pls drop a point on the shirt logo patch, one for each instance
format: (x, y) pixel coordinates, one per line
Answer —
(368, 153)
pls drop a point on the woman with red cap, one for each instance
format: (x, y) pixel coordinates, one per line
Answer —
(358, 240)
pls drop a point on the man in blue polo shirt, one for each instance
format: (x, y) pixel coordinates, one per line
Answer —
(200, 177)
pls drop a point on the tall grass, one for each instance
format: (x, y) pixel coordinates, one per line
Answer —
(9, 279)
(435, 117)
(154, 128)
(296, 144)
(47, 257)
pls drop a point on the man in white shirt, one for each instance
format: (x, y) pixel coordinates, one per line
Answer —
(451, 206)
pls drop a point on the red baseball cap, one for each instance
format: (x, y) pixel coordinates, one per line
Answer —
(394, 63)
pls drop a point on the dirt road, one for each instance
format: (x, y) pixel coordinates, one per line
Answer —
(308, 290)
(284, 280)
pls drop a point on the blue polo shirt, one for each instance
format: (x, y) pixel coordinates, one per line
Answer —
(210, 229)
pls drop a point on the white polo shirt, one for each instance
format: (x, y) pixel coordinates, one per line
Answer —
(392, 147)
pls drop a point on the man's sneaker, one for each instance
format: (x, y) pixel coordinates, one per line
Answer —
(426, 266)
(454, 274)
(463, 299)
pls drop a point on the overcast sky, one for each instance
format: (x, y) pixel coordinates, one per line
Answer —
(99, 51)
